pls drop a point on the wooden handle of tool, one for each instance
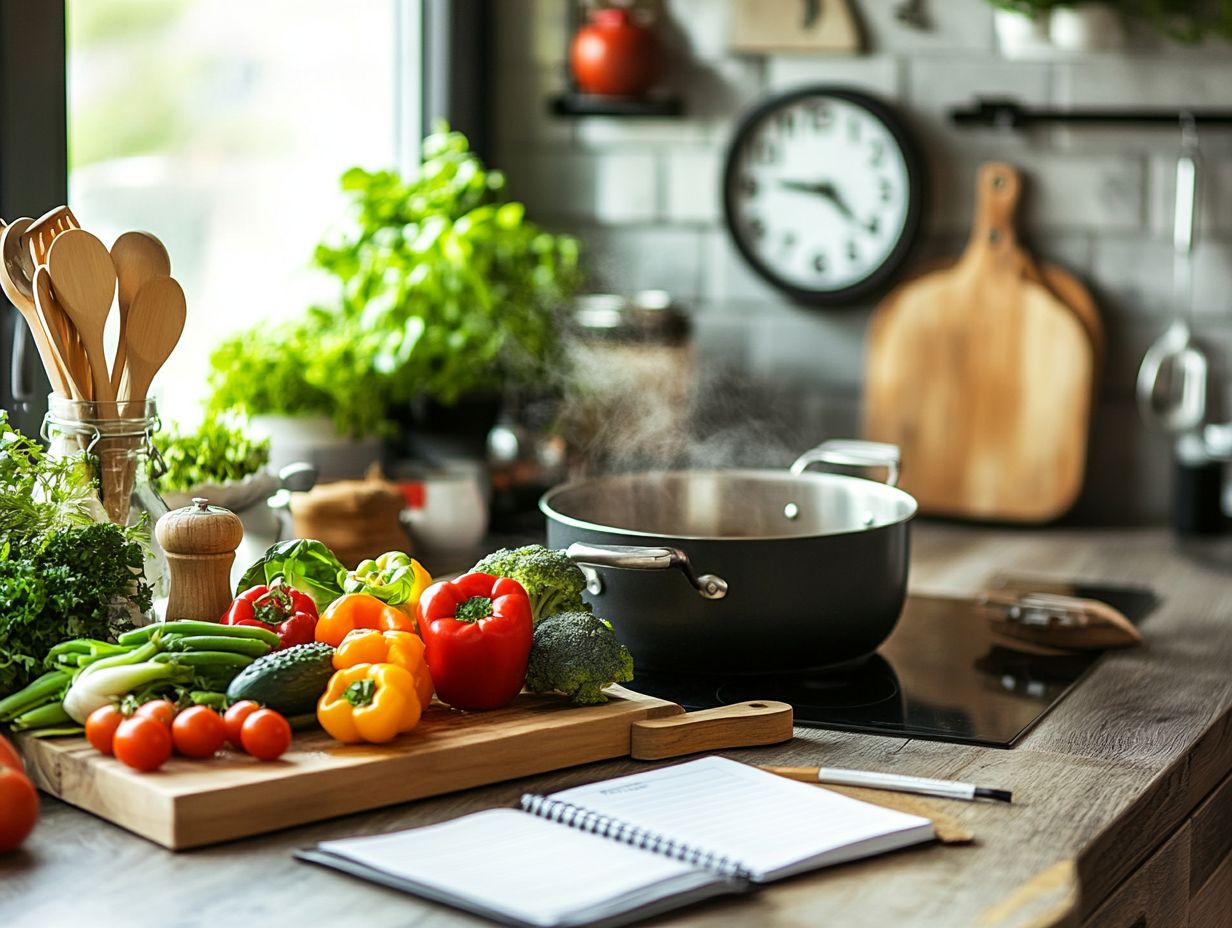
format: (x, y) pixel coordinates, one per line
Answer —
(742, 724)
(997, 191)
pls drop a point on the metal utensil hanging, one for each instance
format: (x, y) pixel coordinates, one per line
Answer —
(1172, 380)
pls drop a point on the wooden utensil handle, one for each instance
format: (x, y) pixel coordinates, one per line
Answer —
(742, 724)
(997, 191)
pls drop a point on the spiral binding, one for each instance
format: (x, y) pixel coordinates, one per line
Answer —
(566, 813)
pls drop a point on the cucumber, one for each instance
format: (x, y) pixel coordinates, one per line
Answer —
(289, 681)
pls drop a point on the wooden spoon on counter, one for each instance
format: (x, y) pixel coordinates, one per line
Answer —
(138, 257)
(49, 353)
(155, 323)
(84, 282)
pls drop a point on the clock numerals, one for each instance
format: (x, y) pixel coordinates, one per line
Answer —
(876, 153)
(853, 253)
(820, 264)
(854, 128)
(885, 190)
(874, 226)
(748, 186)
(767, 151)
(756, 228)
(819, 115)
(785, 122)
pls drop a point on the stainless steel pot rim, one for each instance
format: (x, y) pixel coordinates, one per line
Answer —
(905, 499)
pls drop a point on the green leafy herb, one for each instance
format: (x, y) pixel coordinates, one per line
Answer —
(218, 451)
(39, 494)
(305, 564)
(79, 584)
(446, 289)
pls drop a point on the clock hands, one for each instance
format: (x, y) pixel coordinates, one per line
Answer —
(828, 191)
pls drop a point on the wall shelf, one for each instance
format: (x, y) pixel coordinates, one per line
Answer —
(575, 103)
(1007, 113)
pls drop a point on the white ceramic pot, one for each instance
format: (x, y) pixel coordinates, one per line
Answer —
(1020, 36)
(314, 440)
(447, 508)
(1086, 27)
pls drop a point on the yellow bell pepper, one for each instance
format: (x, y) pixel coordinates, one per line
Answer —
(369, 646)
(369, 702)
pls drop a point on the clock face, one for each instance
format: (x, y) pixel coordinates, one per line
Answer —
(823, 192)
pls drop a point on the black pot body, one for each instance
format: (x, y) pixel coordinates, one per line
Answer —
(793, 603)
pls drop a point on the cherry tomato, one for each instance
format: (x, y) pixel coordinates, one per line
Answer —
(198, 732)
(142, 742)
(159, 709)
(235, 719)
(101, 727)
(266, 734)
(9, 756)
(19, 805)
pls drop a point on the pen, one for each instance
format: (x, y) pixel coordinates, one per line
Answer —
(924, 786)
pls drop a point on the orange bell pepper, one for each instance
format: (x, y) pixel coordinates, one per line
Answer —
(359, 610)
(369, 646)
(369, 702)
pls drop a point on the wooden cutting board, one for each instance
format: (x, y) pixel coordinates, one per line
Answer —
(982, 375)
(189, 803)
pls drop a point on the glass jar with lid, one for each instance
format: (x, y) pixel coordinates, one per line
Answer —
(117, 440)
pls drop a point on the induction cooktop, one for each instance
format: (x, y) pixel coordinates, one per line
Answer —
(942, 675)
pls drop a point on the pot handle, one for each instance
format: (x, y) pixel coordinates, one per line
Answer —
(633, 557)
(850, 452)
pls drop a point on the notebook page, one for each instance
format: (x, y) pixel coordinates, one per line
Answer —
(507, 861)
(772, 825)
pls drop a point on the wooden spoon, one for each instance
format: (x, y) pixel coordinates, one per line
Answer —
(138, 257)
(49, 353)
(53, 320)
(84, 281)
(155, 323)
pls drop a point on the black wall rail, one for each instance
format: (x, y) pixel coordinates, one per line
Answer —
(1006, 113)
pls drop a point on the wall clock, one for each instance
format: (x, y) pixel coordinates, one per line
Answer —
(823, 192)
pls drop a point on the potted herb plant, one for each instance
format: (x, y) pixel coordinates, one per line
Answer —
(448, 293)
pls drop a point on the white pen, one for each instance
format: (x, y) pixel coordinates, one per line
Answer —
(924, 786)
(948, 789)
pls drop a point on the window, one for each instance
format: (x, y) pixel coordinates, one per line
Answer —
(222, 126)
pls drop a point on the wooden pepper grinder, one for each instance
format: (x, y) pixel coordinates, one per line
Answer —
(200, 542)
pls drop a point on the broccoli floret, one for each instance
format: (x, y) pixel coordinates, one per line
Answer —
(578, 654)
(552, 581)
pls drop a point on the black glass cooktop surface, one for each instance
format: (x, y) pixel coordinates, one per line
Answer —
(942, 675)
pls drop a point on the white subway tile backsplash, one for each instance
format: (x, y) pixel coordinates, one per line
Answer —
(876, 74)
(644, 197)
(692, 185)
(623, 259)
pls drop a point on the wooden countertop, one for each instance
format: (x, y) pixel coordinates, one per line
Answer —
(1103, 781)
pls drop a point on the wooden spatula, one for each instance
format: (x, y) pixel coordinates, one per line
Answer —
(84, 281)
(155, 323)
(983, 377)
(138, 257)
(37, 239)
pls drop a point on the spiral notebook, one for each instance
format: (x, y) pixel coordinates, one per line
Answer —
(613, 852)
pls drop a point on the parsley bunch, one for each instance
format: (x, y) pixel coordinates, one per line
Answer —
(62, 574)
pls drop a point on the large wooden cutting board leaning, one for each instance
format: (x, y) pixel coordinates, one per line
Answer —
(982, 374)
(190, 803)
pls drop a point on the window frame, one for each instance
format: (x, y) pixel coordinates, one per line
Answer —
(447, 79)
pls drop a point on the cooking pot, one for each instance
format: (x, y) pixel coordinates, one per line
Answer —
(743, 571)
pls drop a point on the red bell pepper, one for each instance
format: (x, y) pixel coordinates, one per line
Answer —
(477, 634)
(287, 612)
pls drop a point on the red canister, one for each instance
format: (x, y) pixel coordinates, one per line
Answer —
(613, 56)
